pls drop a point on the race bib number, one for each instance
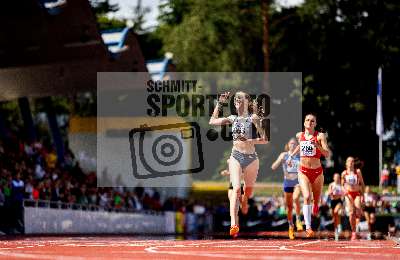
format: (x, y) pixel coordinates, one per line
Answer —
(352, 180)
(307, 148)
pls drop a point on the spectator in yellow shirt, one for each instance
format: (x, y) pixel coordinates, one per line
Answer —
(51, 159)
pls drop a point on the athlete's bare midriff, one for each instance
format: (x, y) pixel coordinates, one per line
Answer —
(352, 188)
(244, 147)
(311, 163)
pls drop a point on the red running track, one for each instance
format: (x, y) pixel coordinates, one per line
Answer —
(126, 247)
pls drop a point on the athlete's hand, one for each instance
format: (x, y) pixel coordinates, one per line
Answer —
(224, 97)
(225, 172)
(289, 162)
(317, 144)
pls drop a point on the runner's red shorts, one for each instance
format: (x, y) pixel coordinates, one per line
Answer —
(312, 174)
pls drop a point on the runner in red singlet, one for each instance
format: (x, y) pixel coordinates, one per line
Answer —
(353, 183)
(312, 145)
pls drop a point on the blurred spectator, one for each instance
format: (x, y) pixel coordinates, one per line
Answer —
(17, 196)
(134, 202)
(17, 186)
(392, 175)
(82, 195)
(35, 193)
(29, 188)
(398, 169)
(51, 159)
(156, 203)
(92, 196)
(2, 198)
(117, 200)
(385, 176)
(39, 172)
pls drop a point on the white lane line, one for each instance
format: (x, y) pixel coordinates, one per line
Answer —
(39, 256)
(360, 247)
(17, 247)
(227, 246)
(307, 243)
(318, 252)
(154, 251)
(231, 255)
(196, 253)
(214, 242)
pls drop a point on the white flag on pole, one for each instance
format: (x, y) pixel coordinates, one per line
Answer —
(379, 117)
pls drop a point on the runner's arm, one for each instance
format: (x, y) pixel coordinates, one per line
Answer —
(297, 149)
(361, 180)
(330, 192)
(277, 162)
(342, 182)
(215, 120)
(323, 147)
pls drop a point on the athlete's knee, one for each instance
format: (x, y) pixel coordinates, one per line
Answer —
(307, 198)
(359, 212)
(372, 219)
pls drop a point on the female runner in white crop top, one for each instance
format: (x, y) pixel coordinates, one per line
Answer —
(243, 157)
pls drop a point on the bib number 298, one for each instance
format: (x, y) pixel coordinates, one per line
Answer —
(307, 149)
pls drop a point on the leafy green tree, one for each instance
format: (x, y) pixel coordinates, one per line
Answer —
(138, 17)
(106, 23)
(213, 36)
(101, 8)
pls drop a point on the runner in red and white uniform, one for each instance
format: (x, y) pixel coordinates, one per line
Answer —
(312, 145)
(353, 183)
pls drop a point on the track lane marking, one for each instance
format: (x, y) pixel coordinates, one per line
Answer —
(307, 243)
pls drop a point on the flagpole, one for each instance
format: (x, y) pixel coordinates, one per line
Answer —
(379, 123)
(380, 162)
